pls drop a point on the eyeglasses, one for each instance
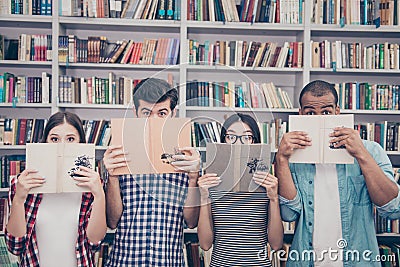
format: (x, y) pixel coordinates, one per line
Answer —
(244, 139)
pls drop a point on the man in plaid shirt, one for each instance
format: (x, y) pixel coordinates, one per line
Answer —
(148, 210)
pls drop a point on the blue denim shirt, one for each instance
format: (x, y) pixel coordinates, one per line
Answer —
(356, 209)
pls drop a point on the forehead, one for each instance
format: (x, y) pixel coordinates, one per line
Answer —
(155, 106)
(64, 128)
(310, 100)
(238, 127)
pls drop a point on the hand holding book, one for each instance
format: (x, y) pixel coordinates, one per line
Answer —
(269, 182)
(207, 181)
(89, 178)
(27, 180)
(291, 141)
(187, 159)
(349, 139)
(115, 157)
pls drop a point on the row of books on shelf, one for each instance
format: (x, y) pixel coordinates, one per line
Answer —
(338, 55)
(10, 165)
(128, 9)
(28, 7)
(28, 47)
(268, 11)
(236, 94)
(6, 259)
(94, 90)
(246, 54)
(364, 12)
(97, 49)
(210, 132)
(22, 131)
(385, 133)
(367, 96)
(22, 89)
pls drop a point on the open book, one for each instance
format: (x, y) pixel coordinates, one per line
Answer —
(318, 128)
(57, 163)
(235, 164)
(151, 143)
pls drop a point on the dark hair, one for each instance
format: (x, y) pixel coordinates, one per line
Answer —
(154, 90)
(319, 88)
(61, 118)
(240, 117)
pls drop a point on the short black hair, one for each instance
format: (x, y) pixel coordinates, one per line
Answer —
(61, 118)
(154, 90)
(247, 119)
(319, 88)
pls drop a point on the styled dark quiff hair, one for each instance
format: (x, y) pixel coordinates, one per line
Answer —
(154, 90)
(240, 117)
(319, 88)
(61, 118)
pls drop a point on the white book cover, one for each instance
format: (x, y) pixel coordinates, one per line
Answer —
(318, 128)
(57, 163)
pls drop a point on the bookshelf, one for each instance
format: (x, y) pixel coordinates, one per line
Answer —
(289, 79)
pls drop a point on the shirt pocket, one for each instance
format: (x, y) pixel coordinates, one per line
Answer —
(358, 190)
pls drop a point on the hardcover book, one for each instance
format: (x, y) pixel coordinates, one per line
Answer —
(151, 143)
(318, 128)
(58, 163)
(236, 164)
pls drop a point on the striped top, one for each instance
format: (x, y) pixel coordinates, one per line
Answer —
(240, 229)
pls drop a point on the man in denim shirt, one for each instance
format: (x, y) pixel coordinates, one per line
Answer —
(335, 221)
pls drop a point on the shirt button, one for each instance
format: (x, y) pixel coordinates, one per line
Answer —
(310, 223)
(310, 202)
(310, 244)
(310, 182)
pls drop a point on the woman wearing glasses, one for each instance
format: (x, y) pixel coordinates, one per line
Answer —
(239, 224)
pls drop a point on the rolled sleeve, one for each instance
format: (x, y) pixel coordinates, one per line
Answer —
(391, 209)
(16, 245)
(290, 209)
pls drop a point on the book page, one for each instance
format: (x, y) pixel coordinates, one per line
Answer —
(254, 157)
(132, 135)
(236, 164)
(73, 156)
(166, 136)
(311, 125)
(44, 158)
(336, 155)
(151, 142)
(220, 160)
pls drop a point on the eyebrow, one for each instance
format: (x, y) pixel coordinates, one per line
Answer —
(310, 107)
(328, 106)
(247, 131)
(145, 109)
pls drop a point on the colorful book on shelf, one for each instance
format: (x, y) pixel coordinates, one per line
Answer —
(58, 165)
(151, 143)
(318, 128)
(236, 164)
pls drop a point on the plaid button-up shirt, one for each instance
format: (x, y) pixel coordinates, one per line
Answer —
(150, 231)
(26, 247)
